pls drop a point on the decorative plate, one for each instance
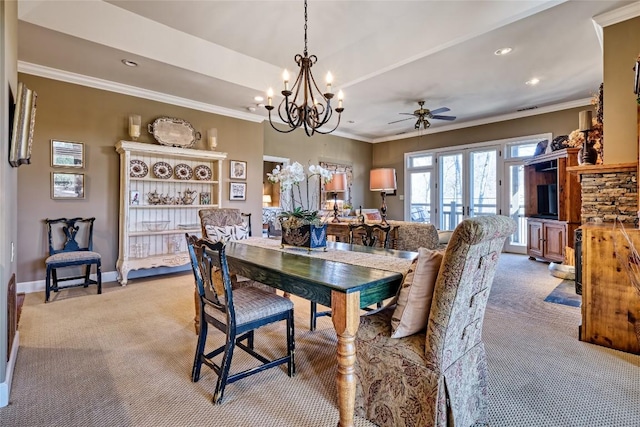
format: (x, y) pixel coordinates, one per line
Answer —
(173, 132)
(138, 169)
(183, 171)
(162, 170)
(202, 172)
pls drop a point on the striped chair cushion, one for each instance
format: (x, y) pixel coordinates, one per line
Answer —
(64, 257)
(252, 304)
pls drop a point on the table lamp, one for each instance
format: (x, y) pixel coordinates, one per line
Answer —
(383, 180)
(266, 200)
(338, 184)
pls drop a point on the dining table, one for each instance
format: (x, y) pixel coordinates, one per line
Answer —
(343, 276)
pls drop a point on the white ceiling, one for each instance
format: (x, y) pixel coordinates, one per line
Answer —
(384, 55)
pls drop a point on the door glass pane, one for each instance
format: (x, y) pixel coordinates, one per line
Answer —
(516, 205)
(484, 188)
(421, 161)
(522, 150)
(420, 196)
(451, 186)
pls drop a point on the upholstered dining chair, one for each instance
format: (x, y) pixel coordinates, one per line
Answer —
(235, 312)
(71, 245)
(359, 234)
(423, 361)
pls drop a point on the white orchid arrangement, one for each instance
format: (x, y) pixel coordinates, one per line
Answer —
(290, 177)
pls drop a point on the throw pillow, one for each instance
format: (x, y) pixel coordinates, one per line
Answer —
(414, 296)
(227, 232)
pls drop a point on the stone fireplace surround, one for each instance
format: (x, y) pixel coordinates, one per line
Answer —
(608, 192)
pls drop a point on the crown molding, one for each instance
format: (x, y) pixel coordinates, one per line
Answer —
(618, 15)
(488, 120)
(82, 80)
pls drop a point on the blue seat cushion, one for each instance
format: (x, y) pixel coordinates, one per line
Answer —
(74, 256)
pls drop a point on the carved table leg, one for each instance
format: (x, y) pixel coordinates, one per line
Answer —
(346, 318)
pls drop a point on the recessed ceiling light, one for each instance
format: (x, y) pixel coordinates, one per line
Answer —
(351, 121)
(258, 98)
(503, 51)
(534, 81)
(129, 63)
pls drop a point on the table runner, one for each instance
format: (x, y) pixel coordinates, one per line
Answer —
(380, 262)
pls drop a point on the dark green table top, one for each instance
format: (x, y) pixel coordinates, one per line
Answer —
(314, 278)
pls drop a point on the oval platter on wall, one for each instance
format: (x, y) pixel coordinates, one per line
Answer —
(174, 132)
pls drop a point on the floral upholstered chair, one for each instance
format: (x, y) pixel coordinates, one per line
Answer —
(435, 372)
(414, 235)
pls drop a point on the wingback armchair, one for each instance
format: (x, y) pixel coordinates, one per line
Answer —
(436, 377)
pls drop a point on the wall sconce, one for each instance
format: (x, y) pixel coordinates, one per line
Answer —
(134, 126)
(383, 180)
(338, 184)
(212, 138)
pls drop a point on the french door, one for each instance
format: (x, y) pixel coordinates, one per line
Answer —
(468, 185)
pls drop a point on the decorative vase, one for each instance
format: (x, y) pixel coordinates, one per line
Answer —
(310, 236)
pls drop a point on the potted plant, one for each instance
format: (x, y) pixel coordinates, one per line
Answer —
(301, 224)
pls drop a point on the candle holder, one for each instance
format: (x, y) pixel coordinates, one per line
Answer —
(134, 126)
(212, 138)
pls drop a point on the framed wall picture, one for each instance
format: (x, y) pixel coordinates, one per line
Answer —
(205, 198)
(237, 191)
(67, 154)
(134, 197)
(237, 169)
(67, 185)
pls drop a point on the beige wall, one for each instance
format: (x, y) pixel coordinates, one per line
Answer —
(98, 118)
(391, 154)
(8, 176)
(297, 146)
(621, 49)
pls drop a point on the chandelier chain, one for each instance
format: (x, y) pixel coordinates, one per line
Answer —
(305, 27)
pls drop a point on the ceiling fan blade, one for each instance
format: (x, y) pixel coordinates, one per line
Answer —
(449, 118)
(440, 110)
(400, 120)
(407, 114)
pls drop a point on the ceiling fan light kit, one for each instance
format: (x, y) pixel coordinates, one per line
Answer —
(308, 107)
(422, 114)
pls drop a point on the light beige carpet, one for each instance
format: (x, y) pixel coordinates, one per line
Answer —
(124, 358)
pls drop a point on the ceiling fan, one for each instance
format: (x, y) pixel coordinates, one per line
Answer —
(424, 113)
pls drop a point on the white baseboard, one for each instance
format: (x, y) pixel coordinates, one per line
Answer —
(107, 276)
(39, 285)
(5, 387)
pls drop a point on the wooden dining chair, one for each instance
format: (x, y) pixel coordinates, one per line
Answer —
(235, 312)
(367, 235)
(71, 245)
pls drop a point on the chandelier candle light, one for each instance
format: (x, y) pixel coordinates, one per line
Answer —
(308, 107)
(337, 185)
(383, 180)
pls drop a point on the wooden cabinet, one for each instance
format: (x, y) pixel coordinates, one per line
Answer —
(151, 230)
(552, 204)
(610, 302)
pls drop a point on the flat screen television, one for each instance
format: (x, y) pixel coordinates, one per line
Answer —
(548, 200)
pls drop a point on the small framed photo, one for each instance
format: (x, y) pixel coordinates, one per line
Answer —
(237, 191)
(67, 185)
(66, 154)
(205, 198)
(134, 197)
(237, 169)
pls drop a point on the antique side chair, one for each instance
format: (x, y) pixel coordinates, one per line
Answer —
(235, 312)
(367, 235)
(71, 245)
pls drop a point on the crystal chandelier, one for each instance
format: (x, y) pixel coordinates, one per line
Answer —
(305, 104)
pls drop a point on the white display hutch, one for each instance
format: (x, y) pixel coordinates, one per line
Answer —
(138, 246)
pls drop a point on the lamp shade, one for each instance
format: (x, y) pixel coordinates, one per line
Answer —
(266, 198)
(337, 184)
(383, 179)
